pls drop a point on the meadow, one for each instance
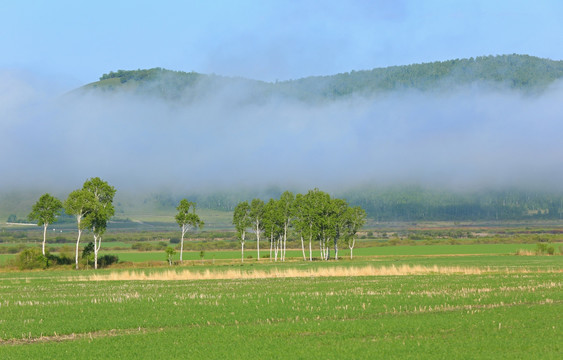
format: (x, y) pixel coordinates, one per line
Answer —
(130, 255)
(437, 294)
(491, 305)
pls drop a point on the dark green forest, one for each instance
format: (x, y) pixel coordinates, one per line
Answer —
(382, 204)
(407, 203)
(419, 204)
(519, 72)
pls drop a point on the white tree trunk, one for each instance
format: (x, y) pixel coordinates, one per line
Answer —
(335, 249)
(303, 248)
(258, 238)
(97, 245)
(78, 241)
(44, 236)
(277, 247)
(242, 252)
(351, 246)
(242, 246)
(258, 246)
(310, 249)
(271, 245)
(184, 230)
(284, 240)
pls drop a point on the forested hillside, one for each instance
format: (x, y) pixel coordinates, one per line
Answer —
(406, 203)
(398, 203)
(518, 73)
(521, 72)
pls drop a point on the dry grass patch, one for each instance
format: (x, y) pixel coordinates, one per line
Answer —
(523, 252)
(297, 273)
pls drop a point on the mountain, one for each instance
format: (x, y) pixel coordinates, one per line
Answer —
(521, 72)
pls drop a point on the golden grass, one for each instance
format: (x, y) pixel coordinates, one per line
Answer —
(295, 273)
(524, 252)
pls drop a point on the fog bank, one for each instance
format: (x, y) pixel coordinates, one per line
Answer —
(459, 139)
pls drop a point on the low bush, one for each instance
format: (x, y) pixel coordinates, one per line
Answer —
(141, 246)
(107, 260)
(31, 258)
(61, 259)
(543, 248)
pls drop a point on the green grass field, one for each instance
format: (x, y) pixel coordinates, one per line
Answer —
(387, 251)
(510, 309)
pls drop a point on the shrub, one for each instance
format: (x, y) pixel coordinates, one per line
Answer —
(169, 254)
(61, 259)
(550, 250)
(107, 260)
(88, 249)
(541, 248)
(142, 246)
(31, 258)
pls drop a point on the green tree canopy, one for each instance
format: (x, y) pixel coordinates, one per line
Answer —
(187, 219)
(45, 212)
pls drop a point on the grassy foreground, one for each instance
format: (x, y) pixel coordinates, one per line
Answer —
(491, 307)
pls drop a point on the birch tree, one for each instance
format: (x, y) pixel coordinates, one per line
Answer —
(242, 221)
(311, 212)
(100, 212)
(272, 225)
(257, 216)
(300, 221)
(286, 207)
(355, 219)
(79, 203)
(45, 212)
(323, 222)
(187, 219)
(338, 221)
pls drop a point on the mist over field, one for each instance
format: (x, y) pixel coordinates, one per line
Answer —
(460, 139)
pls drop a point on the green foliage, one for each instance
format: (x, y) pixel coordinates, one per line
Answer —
(45, 210)
(61, 259)
(170, 252)
(107, 260)
(31, 258)
(186, 216)
(521, 72)
(543, 249)
(88, 250)
(79, 203)
(142, 246)
(414, 203)
(100, 207)
(242, 220)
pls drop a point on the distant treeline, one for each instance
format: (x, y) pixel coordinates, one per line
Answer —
(521, 72)
(150, 74)
(418, 204)
(400, 203)
(408, 203)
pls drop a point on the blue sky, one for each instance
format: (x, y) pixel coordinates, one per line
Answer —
(75, 42)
